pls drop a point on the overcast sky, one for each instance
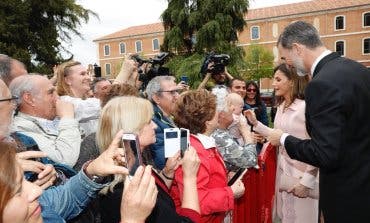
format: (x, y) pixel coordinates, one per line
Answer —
(115, 15)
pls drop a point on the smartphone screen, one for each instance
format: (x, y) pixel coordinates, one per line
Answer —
(184, 141)
(185, 79)
(130, 144)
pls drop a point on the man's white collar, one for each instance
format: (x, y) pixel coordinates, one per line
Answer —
(322, 55)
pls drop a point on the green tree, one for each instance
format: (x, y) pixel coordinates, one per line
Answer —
(33, 30)
(259, 63)
(195, 27)
(202, 25)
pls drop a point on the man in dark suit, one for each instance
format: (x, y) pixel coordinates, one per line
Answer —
(338, 121)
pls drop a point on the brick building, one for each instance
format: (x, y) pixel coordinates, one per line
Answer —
(344, 26)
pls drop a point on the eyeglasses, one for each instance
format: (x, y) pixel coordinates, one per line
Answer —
(172, 92)
(251, 90)
(9, 99)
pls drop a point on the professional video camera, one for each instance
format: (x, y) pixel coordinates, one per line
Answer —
(156, 68)
(219, 63)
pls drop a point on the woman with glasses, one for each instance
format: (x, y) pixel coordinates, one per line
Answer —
(253, 101)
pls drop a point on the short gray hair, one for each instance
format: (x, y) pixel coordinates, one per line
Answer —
(154, 85)
(300, 32)
(22, 84)
(5, 66)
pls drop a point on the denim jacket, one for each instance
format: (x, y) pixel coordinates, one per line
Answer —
(157, 149)
(64, 202)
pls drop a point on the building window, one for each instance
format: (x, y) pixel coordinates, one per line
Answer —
(107, 69)
(316, 24)
(255, 32)
(275, 31)
(339, 22)
(138, 46)
(106, 50)
(367, 46)
(367, 19)
(122, 48)
(155, 44)
(339, 47)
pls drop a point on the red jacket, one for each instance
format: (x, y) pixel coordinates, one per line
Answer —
(215, 197)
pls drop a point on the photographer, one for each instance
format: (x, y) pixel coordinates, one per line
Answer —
(214, 67)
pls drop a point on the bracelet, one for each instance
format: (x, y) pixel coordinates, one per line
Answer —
(167, 177)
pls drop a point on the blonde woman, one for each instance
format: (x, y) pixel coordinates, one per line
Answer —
(134, 115)
(73, 85)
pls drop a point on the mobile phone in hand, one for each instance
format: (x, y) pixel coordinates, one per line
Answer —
(184, 140)
(171, 141)
(238, 175)
(130, 144)
(185, 79)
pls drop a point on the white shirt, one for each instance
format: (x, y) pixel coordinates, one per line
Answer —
(207, 141)
(318, 59)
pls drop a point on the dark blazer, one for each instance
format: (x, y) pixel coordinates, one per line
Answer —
(338, 121)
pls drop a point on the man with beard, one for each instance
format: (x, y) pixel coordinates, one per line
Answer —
(338, 121)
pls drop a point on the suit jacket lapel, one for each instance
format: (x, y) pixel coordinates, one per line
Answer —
(324, 60)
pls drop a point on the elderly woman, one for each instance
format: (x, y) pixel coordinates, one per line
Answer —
(196, 111)
(133, 115)
(73, 85)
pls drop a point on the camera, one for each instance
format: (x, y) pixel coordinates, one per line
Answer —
(219, 63)
(156, 69)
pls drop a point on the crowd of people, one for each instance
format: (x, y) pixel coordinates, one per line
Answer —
(62, 158)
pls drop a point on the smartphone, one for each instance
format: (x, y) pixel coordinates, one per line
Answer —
(184, 140)
(130, 144)
(238, 175)
(185, 79)
(171, 141)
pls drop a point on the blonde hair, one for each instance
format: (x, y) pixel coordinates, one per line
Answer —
(63, 70)
(128, 113)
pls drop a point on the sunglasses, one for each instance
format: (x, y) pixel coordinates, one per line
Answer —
(251, 90)
(9, 99)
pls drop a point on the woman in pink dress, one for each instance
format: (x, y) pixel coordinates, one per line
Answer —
(296, 182)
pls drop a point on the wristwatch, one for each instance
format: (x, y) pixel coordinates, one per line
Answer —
(95, 178)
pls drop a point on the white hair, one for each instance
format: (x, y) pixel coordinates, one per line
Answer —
(22, 84)
(154, 85)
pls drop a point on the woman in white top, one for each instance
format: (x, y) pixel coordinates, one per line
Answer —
(73, 84)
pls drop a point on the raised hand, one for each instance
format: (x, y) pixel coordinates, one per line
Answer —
(190, 163)
(251, 116)
(274, 137)
(139, 196)
(106, 163)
